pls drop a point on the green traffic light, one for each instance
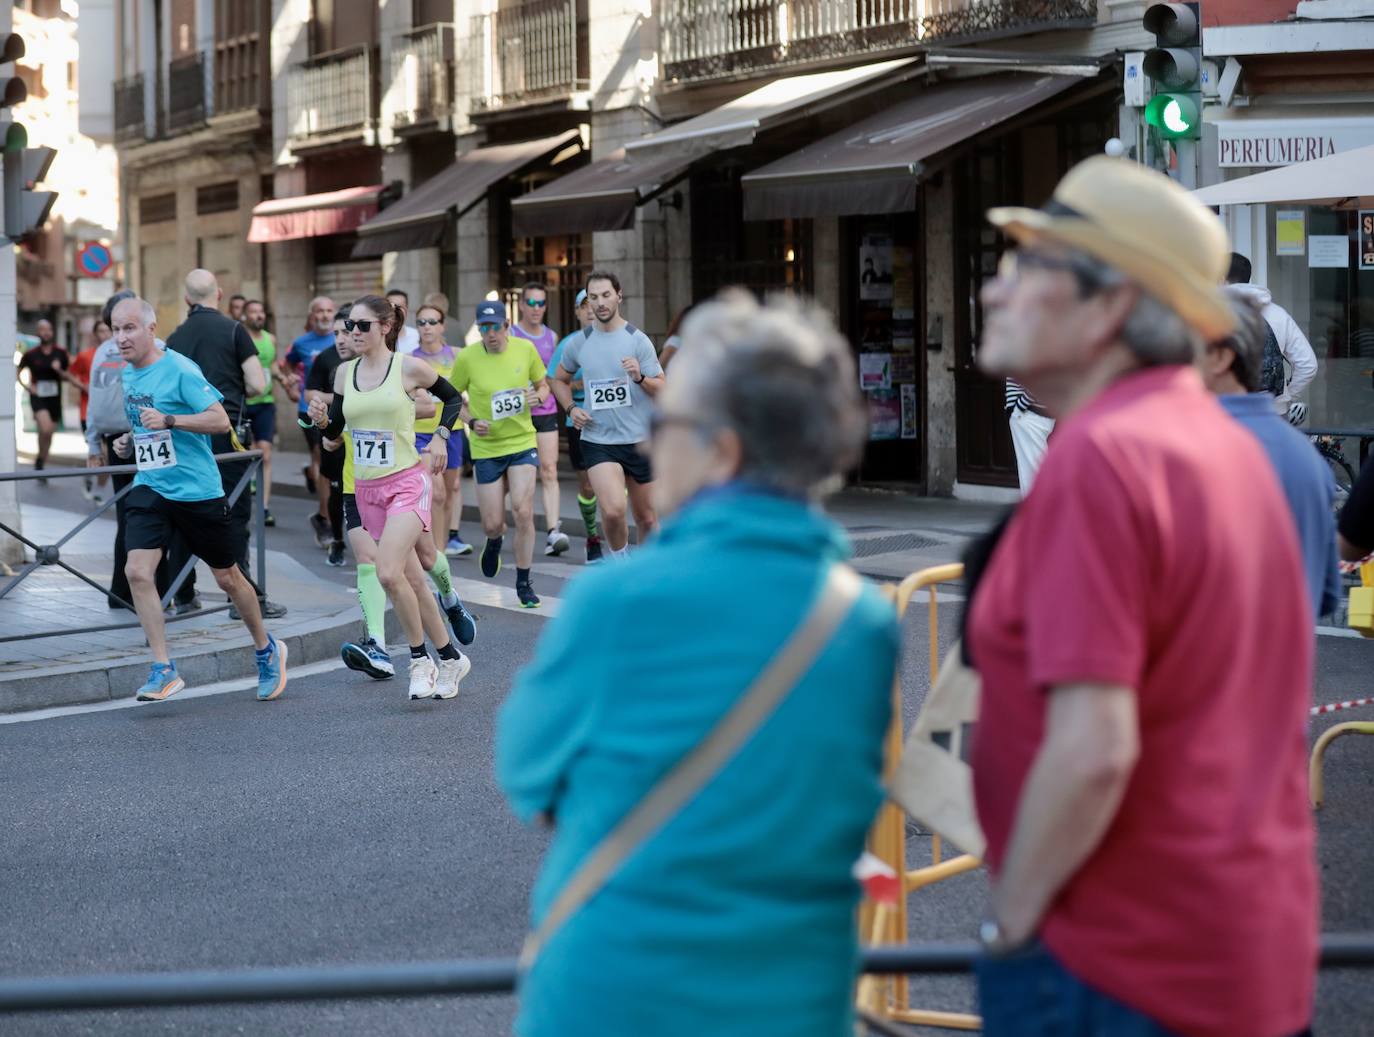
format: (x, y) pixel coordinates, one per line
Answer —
(1174, 115)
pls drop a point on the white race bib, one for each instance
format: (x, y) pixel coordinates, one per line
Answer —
(373, 449)
(45, 390)
(153, 450)
(508, 403)
(609, 393)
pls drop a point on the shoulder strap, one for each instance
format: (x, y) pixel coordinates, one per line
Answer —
(690, 774)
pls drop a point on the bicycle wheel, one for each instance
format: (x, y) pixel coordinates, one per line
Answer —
(1344, 476)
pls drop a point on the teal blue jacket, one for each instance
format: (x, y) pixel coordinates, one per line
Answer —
(738, 917)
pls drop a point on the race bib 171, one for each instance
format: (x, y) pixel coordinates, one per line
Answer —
(373, 449)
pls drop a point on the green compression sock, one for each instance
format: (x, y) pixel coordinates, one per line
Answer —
(442, 579)
(588, 509)
(372, 598)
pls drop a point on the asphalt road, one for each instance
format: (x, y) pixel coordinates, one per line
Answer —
(343, 824)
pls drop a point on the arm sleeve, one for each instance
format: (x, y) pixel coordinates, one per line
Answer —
(1357, 517)
(451, 398)
(336, 418)
(1087, 583)
(548, 718)
(1298, 352)
(649, 365)
(92, 439)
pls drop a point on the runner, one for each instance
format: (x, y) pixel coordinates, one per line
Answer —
(622, 375)
(534, 307)
(260, 412)
(392, 487)
(370, 655)
(504, 380)
(409, 339)
(172, 412)
(448, 491)
(321, 383)
(319, 336)
(586, 496)
(42, 371)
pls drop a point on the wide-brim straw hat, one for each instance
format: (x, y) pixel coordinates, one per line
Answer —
(1143, 224)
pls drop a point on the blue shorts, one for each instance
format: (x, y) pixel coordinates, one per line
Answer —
(490, 469)
(262, 418)
(455, 447)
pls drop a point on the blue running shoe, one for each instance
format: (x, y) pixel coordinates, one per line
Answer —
(460, 621)
(368, 657)
(491, 557)
(271, 670)
(162, 683)
(457, 547)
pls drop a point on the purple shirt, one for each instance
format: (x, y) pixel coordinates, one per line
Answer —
(545, 344)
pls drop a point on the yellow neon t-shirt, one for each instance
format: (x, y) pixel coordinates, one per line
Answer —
(504, 375)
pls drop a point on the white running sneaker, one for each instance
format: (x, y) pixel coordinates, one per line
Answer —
(451, 671)
(557, 543)
(423, 678)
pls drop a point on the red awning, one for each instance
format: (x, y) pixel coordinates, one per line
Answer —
(313, 215)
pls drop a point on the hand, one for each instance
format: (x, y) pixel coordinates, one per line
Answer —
(330, 444)
(124, 445)
(438, 454)
(480, 428)
(631, 366)
(293, 388)
(319, 412)
(580, 418)
(95, 461)
(152, 419)
(532, 399)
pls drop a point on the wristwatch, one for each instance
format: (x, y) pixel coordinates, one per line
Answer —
(640, 378)
(443, 432)
(171, 420)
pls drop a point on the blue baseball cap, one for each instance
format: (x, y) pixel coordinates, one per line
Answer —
(581, 298)
(490, 312)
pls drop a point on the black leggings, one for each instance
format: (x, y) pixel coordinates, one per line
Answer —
(331, 468)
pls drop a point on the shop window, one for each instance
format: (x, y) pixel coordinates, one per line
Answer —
(764, 256)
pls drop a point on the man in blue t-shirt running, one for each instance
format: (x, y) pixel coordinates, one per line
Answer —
(318, 337)
(172, 412)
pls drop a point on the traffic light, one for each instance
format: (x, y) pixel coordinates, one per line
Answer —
(26, 210)
(1174, 65)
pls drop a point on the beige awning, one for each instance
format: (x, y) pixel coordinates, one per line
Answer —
(1344, 180)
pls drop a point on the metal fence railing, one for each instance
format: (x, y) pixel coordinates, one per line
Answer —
(51, 554)
(430, 978)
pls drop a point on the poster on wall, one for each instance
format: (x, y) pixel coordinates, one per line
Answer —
(903, 367)
(875, 268)
(1328, 251)
(875, 371)
(1366, 237)
(1289, 239)
(908, 412)
(903, 335)
(884, 414)
(903, 286)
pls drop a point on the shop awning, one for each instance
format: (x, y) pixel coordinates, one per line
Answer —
(313, 215)
(419, 219)
(874, 166)
(1344, 180)
(603, 196)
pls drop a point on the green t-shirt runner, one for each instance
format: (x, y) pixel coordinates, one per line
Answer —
(496, 384)
(267, 353)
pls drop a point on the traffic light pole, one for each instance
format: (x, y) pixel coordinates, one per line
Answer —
(11, 551)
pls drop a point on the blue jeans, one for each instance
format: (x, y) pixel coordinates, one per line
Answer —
(1029, 994)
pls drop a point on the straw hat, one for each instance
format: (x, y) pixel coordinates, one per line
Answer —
(1143, 224)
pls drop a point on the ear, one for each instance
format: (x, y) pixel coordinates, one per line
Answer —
(1117, 304)
(729, 451)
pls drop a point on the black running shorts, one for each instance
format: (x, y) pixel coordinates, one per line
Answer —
(205, 526)
(627, 455)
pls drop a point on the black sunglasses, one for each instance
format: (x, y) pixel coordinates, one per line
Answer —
(425, 322)
(361, 325)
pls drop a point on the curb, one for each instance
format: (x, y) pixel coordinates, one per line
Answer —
(77, 684)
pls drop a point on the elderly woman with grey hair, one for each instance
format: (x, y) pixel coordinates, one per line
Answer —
(732, 912)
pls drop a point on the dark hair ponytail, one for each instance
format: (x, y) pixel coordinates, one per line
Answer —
(386, 313)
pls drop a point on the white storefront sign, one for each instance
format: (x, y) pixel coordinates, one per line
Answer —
(1264, 142)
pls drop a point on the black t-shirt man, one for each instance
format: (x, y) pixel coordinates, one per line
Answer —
(322, 371)
(44, 364)
(219, 345)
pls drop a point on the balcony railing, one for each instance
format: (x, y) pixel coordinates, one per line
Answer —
(533, 51)
(130, 110)
(704, 39)
(331, 96)
(238, 74)
(422, 72)
(187, 93)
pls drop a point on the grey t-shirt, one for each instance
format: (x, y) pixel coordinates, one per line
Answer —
(619, 408)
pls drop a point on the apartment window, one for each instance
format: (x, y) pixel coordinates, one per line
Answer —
(339, 24)
(157, 208)
(214, 198)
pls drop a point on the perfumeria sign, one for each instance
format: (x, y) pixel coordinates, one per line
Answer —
(1282, 142)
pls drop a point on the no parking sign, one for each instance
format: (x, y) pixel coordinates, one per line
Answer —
(94, 259)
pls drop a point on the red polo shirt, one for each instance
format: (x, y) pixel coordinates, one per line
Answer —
(1156, 551)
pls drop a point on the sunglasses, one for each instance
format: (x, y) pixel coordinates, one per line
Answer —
(658, 421)
(487, 329)
(359, 325)
(537, 303)
(428, 322)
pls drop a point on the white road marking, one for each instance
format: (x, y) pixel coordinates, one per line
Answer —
(1338, 632)
(502, 596)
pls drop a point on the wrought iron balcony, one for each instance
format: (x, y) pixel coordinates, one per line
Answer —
(422, 72)
(187, 94)
(533, 51)
(705, 39)
(131, 111)
(331, 97)
(238, 74)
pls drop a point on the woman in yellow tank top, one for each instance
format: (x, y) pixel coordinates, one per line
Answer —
(392, 487)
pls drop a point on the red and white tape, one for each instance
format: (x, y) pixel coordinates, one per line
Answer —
(1332, 707)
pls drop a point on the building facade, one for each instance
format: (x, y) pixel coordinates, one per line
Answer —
(322, 147)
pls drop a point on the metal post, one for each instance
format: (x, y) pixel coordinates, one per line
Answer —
(260, 528)
(11, 550)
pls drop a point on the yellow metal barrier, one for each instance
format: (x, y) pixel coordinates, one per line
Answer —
(1316, 784)
(889, 996)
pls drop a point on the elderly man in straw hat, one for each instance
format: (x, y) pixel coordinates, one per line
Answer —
(1140, 757)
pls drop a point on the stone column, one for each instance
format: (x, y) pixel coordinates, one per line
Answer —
(938, 227)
